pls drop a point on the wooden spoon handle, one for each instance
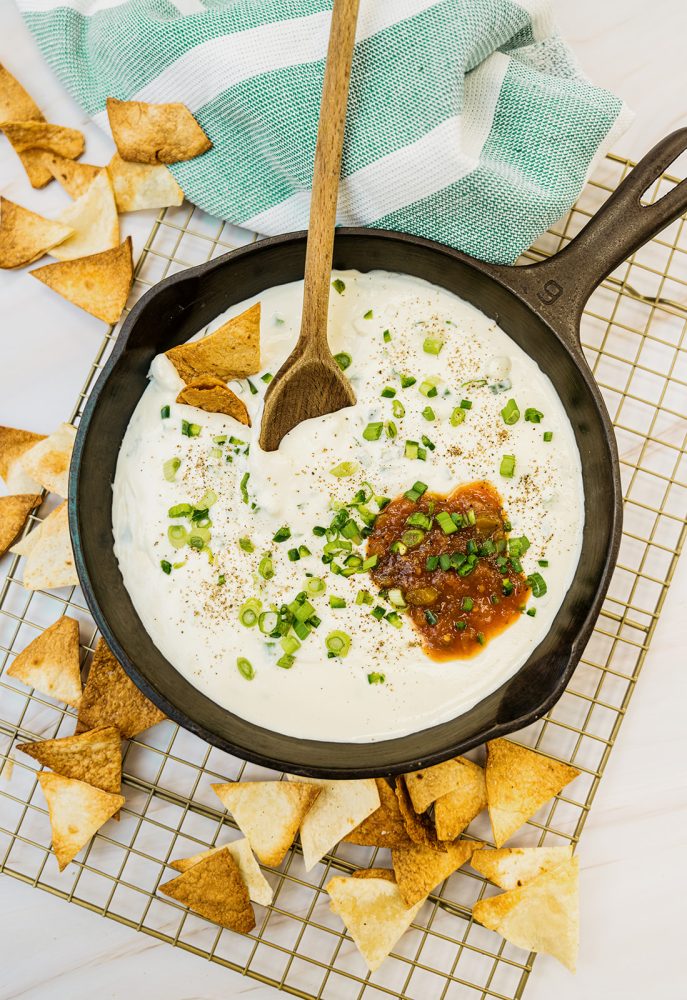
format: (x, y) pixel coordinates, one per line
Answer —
(326, 174)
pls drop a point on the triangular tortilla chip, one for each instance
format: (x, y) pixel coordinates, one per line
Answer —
(33, 162)
(520, 781)
(94, 219)
(155, 133)
(420, 869)
(541, 916)
(75, 178)
(48, 551)
(58, 139)
(140, 185)
(15, 103)
(214, 889)
(51, 662)
(77, 811)
(259, 889)
(430, 783)
(13, 444)
(110, 698)
(419, 827)
(48, 461)
(26, 236)
(212, 395)
(232, 351)
(340, 807)
(384, 827)
(99, 284)
(512, 867)
(454, 811)
(14, 511)
(268, 813)
(374, 914)
(94, 757)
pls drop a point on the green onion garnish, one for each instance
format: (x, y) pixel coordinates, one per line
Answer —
(412, 449)
(480, 638)
(286, 661)
(419, 520)
(428, 388)
(507, 467)
(246, 545)
(533, 415)
(368, 314)
(268, 622)
(548, 435)
(178, 535)
(537, 584)
(180, 510)
(343, 360)
(445, 522)
(465, 404)
(267, 377)
(432, 563)
(543, 562)
(319, 531)
(281, 534)
(518, 546)
(294, 555)
(432, 345)
(373, 431)
(386, 336)
(190, 430)
(457, 417)
(398, 409)
(388, 392)
(253, 390)
(428, 413)
(266, 567)
(344, 469)
(363, 597)
(221, 580)
(164, 412)
(532, 612)
(428, 444)
(474, 383)
(393, 618)
(170, 469)
(430, 617)
(417, 490)
(249, 611)
(315, 585)
(337, 602)
(165, 566)
(370, 563)
(375, 678)
(339, 286)
(510, 413)
(337, 643)
(407, 381)
(412, 537)
(244, 486)
(289, 643)
(461, 626)
(391, 429)
(508, 588)
(245, 668)
(467, 604)
(378, 612)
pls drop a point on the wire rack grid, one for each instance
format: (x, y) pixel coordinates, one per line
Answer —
(634, 335)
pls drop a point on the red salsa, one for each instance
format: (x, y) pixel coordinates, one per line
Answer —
(452, 562)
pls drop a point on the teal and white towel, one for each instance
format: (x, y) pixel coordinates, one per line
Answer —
(469, 121)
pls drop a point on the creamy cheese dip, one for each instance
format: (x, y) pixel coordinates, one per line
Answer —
(193, 617)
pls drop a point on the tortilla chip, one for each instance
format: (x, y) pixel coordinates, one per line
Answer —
(99, 283)
(259, 889)
(14, 511)
(155, 133)
(374, 914)
(75, 178)
(48, 461)
(49, 555)
(110, 698)
(269, 813)
(76, 811)
(419, 828)
(519, 781)
(340, 808)
(94, 757)
(232, 351)
(543, 915)
(15, 103)
(385, 873)
(140, 185)
(384, 827)
(33, 162)
(26, 236)
(512, 867)
(212, 395)
(430, 783)
(419, 869)
(94, 219)
(58, 139)
(454, 811)
(214, 889)
(51, 662)
(13, 444)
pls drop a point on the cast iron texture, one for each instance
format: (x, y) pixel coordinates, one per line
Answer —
(539, 306)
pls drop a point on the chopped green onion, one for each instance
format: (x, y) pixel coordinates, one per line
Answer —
(286, 661)
(457, 417)
(407, 381)
(220, 439)
(467, 604)
(281, 534)
(289, 643)
(445, 561)
(245, 668)
(428, 388)
(246, 545)
(391, 429)
(315, 585)
(170, 469)
(319, 531)
(508, 588)
(543, 562)
(368, 314)
(445, 522)
(480, 638)
(338, 643)
(339, 286)
(196, 542)
(363, 597)
(461, 626)
(398, 409)
(221, 580)
(344, 469)
(248, 612)
(180, 510)
(432, 345)
(266, 567)
(268, 622)
(388, 392)
(393, 618)
(267, 377)
(294, 555)
(253, 390)
(178, 535)
(537, 584)
(337, 602)
(370, 563)
(518, 546)
(373, 431)
(532, 612)
(165, 566)
(378, 612)
(244, 486)
(428, 444)
(471, 517)
(548, 436)
(428, 413)
(419, 520)
(190, 430)
(510, 413)
(475, 383)
(412, 537)
(417, 490)
(412, 449)
(396, 598)
(465, 404)
(375, 678)
(398, 548)
(430, 617)
(343, 360)
(164, 412)
(533, 415)
(432, 563)
(386, 336)
(507, 467)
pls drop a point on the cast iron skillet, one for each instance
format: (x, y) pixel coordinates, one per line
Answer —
(539, 306)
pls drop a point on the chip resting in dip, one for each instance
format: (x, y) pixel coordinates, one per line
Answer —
(393, 562)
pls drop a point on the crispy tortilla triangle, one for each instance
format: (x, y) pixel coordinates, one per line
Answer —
(419, 827)
(269, 813)
(543, 915)
(14, 511)
(340, 808)
(76, 810)
(99, 283)
(212, 395)
(48, 461)
(15, 103)
(33, 162)
(259, 889)
(455, 810)
(384, 827)
(429, 784)
(48, 551)
(512, 867)
(419, 869)
(13, 443)
(140, 185)
(94, 220)
(155, 133)
(110, 698)
(75, 178)
(51, 662)
(232, 351)
(26, 236)
(94, 757)
(519, 781)
(374, 914)
(215, 890)
(58, 139)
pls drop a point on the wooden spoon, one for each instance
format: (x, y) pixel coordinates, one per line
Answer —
(310, 382)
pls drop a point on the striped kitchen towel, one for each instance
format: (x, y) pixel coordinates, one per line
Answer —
(469, 121)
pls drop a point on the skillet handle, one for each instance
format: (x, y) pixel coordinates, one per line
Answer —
(558, 288)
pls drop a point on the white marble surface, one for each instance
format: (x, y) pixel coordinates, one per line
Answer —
(633, 852)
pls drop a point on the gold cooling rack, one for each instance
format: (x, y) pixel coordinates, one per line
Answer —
(634, 335)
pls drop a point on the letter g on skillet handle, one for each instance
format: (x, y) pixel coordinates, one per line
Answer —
(558, 288)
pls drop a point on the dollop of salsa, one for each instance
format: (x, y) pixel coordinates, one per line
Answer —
(449, 558)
